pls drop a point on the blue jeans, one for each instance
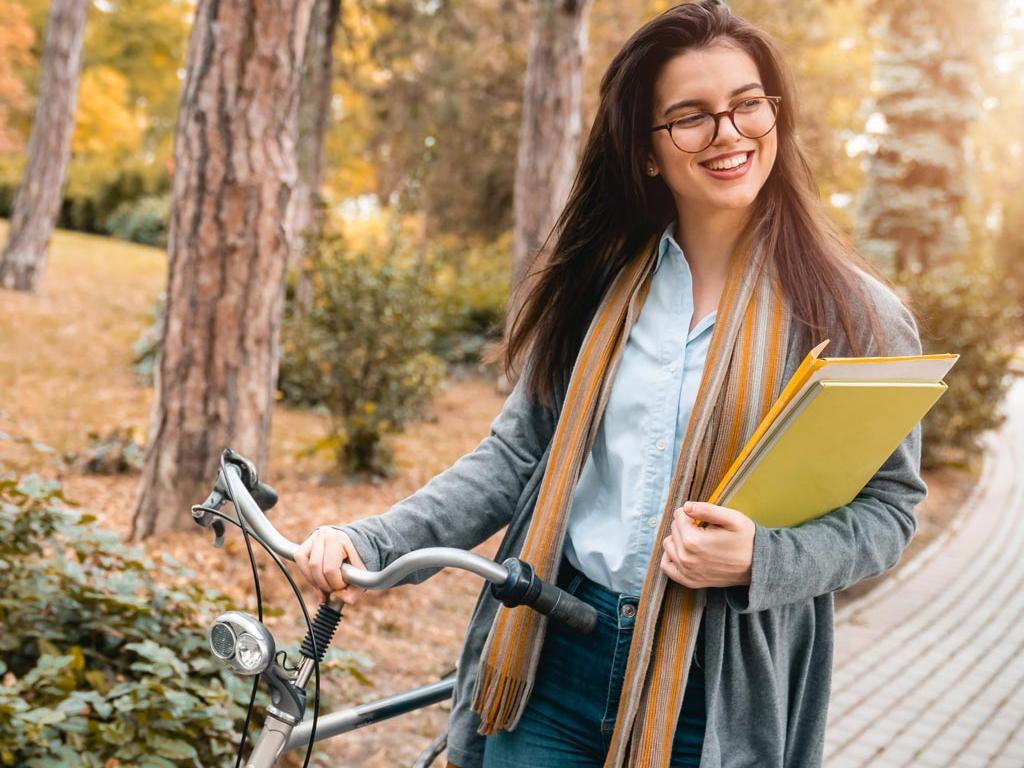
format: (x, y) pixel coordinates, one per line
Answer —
(570, 716)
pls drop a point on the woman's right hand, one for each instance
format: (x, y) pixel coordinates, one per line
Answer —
(319, 559)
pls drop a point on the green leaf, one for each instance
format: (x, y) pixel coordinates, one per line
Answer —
(43, 716)
(174, 749)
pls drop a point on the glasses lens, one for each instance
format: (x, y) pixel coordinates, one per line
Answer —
(753, 117)
(691, 133)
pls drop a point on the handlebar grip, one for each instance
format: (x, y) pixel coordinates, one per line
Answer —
(568, 609)
(524, 587)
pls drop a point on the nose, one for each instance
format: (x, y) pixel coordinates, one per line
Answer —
(726, 131)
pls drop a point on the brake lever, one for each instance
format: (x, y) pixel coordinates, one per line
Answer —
(204, 515)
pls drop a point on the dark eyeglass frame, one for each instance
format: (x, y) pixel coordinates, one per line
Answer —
(716, 116)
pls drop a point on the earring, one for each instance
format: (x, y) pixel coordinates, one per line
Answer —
(650, 170)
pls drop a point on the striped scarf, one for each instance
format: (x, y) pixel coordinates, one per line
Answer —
(742, 377)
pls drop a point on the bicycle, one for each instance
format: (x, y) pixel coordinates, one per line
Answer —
(243, 643)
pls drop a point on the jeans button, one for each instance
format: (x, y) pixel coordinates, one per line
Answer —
(629, 610)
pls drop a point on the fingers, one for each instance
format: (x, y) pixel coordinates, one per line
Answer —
(320, 558)
(334, 556)
(688, 537)
(316, 564)
(350, 594)
(671, 551)
(672, 570)
(677, 562)
(713, 514)
(302, 559)
(350, 550)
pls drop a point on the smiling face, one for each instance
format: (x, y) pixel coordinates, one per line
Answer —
(710, 76)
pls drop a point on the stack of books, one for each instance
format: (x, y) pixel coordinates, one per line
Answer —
(835, 424)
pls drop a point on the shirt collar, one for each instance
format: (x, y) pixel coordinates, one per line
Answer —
(667, 243)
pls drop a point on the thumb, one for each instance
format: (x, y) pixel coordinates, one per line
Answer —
(713, 514)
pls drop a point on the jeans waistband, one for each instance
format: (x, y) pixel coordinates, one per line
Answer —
(615, 604)
(621, 608)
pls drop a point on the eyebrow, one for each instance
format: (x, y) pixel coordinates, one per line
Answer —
(702, 103)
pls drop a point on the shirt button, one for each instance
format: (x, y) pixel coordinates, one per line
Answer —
(661, 444)
(652, 522)
(673, 366)
(629, 610)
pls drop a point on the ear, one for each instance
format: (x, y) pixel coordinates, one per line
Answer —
(651, 167)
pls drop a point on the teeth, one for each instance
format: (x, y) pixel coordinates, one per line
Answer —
(730, 162)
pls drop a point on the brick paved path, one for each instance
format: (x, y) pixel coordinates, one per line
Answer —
(929, 667)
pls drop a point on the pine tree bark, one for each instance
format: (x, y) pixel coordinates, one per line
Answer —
(314, 116)
(550, 131)
(229, 242)
(37, 202)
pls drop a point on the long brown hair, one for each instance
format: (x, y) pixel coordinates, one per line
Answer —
(614, 208)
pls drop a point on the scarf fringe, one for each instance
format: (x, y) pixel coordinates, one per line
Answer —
(499, 698)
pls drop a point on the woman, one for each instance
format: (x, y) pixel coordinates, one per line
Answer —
(693, 270)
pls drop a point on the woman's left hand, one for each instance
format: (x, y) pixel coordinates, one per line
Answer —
(719, 555)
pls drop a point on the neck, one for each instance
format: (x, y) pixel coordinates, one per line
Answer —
(708, 239)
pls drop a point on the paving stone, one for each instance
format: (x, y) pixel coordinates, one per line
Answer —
(928, 665)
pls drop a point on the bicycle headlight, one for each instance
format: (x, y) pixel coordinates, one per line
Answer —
(242, 642)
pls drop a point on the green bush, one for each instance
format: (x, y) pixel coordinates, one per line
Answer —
(363, 349)
(971, 315)
(118, 451)
(99, 660)
(471, 288)
(143, 220)
(96, 187)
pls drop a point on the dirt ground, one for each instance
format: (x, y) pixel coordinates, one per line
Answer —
(65, 370)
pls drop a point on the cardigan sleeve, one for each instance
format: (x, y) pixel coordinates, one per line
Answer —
(861, 539)
(469, 501)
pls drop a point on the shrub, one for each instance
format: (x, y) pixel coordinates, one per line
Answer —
(96, 187)
(143, 220)
(471, 289)
(119, 451)
(363, 349)
(98, 660)
(971, 315)
(103, 652)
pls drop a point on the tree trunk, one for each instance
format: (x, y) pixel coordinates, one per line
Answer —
(549, 137)
(228, 246)
(38, 200)
(314, 115)
(550, 131)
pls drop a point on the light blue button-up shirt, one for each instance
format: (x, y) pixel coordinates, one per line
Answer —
(623, 487)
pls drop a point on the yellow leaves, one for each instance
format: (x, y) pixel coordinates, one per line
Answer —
(105, 123)
(16, 40)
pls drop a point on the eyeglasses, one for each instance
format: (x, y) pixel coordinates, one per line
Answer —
(752, 118)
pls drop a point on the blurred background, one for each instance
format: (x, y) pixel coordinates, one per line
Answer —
(295, 227)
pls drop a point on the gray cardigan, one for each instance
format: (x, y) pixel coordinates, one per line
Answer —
(769, 645)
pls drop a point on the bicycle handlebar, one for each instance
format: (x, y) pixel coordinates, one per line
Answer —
(514, 586)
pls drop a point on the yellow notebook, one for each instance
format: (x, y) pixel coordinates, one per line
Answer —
(832, 428)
